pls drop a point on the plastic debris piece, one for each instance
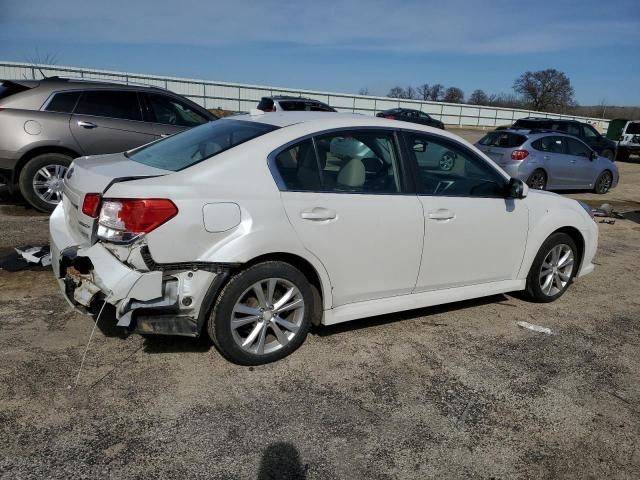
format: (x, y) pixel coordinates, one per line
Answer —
(535, 328)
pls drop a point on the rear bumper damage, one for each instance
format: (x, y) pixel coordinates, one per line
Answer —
(146, 300)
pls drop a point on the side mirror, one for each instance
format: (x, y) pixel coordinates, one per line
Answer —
(594, 155)
(420, 147)
(516, 188)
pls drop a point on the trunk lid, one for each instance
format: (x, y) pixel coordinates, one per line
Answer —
(96, 175)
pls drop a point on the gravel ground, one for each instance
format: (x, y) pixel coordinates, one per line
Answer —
(456, 391)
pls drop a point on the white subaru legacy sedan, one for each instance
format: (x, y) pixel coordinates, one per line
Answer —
(254, 227)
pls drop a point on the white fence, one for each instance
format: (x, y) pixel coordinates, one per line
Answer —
(241, 97)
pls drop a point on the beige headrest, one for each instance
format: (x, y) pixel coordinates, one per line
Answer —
(352, 174)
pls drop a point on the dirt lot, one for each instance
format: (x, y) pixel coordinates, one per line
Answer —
(450, 392)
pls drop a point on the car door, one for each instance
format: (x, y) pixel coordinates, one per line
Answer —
(583, 171)
(170, 115)
(109, 121)
(473, 234)
(345, 197)
(555, 161)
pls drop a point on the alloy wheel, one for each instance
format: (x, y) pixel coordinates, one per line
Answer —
(48, 183)
(537, 181)
(604, 183)
(556, 268)
(267, 316)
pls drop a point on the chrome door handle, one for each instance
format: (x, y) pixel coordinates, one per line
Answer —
(546, 157)
(84, 124)
(318, 214)
(441, 214)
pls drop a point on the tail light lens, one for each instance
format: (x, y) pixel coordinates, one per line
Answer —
(519, 154)
(91, 204)
(124, 219)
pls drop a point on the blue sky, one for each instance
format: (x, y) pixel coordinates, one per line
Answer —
(341, 45)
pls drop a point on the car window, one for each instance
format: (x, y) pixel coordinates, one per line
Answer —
(266, 104)
(304, 106)
(502, 140)
(448, 169)
(549, 144)
(573, 129)
(63, 102)
(589, 132)
(110, 103)
(342, 162)
(632, 128)
(180, 151)
(575, 147)
(424, 115)
(170, 111)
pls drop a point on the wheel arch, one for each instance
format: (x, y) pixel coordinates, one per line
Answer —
(579, 240)
(40, 150)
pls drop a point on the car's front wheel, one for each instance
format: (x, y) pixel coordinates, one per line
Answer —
(42, 179)
(262, 314)
(603, 182)
(552, 269)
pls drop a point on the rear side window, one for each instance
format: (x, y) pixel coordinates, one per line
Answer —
(266, 104)
(633, 128)
(304, 106)
(170, 111)
(549, 144)
(185, 149)
(110, 103)
(63, 102)
(503, 140)
(10, 88)
(574, 147)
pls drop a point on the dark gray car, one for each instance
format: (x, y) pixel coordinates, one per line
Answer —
(45, 124)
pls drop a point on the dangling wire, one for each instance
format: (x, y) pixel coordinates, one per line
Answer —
(89, 342)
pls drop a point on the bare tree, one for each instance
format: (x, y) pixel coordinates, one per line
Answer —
(363, 91)
(478, 97)
(410, 93)
(436, 92)
(454, 95)
(396, 92)
(545, 90)
(423, 91)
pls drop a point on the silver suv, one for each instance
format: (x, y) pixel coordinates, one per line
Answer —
(45, 124)
(549, 160)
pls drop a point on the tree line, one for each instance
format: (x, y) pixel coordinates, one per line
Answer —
(547, 90)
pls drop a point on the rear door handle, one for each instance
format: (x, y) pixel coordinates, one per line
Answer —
(546, 157)
(318, 214)
(442, 214)
(84, 124)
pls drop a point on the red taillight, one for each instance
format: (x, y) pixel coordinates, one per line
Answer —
(519, 154)
(123, 219)
(91, 204)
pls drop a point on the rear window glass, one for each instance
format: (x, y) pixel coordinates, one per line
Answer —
(63, 102)
(503, 140)
(185, 149)
(633, 128)
(302, 106)
(9, 88)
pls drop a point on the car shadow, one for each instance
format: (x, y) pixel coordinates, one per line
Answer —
(327, 330)
(281, 461)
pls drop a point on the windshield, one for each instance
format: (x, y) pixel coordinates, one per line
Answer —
(193, 146)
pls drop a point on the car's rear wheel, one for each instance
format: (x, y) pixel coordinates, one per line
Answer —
(537, 180)
(262, 314)
(552, 269)
(42, 178)
(603, 182)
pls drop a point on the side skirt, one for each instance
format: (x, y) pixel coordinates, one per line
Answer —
(400, 303)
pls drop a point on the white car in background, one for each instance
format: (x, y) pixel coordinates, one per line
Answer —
(255, 227)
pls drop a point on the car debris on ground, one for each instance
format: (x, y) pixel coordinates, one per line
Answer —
(27, 257)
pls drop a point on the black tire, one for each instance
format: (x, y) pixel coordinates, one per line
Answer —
(537, 180)
(29, 172)
(610, 154)
(219, 322)
(622, 155)
(534, 290)
(603, 183)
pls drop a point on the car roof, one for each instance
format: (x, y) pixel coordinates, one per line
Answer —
(535, 133)
(288, 97)
(545, 119)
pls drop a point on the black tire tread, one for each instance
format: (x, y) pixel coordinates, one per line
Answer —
(532, 281)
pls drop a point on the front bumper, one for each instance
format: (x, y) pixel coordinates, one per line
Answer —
(145, 301)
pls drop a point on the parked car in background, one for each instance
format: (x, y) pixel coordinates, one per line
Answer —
(549, 160)
(292, 104)
(629, 140)
(585, 132)
(293, 218)
(413, 116)
(45, 124)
